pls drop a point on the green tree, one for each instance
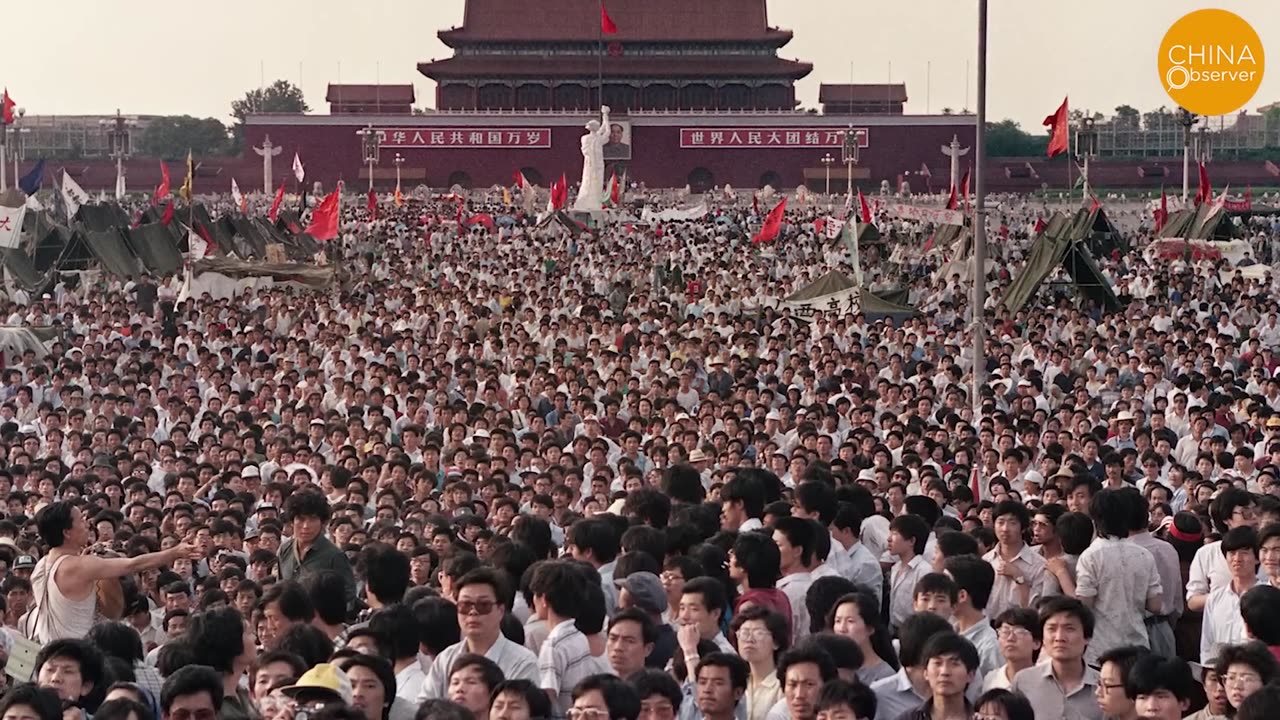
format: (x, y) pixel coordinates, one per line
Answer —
(169, 138)
(280, 96)
(1128, 116)
(1007, 139)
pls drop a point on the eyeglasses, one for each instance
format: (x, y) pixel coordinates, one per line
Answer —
(479, 607)
(1244, 678)
(1010, 632)
(587, 714)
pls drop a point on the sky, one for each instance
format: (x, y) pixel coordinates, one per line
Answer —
(94, 56)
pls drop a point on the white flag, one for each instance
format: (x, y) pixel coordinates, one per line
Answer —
(11, 225)
(197, 245)
(34, 203)
(73, 195)
(235, 195)
(120, 183)
(833, 228)
(298, 172)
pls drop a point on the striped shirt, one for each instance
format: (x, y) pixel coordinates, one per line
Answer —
(564, 661)
(517, 663)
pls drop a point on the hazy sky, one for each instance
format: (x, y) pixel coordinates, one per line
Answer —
(92, 56)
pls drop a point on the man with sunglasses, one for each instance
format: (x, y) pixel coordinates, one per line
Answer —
(480, 596)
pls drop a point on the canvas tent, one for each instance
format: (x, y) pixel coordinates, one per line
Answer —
(226, 277)
(155, 246)
(1062, 244)
(836, 292)
(22, 272)
(1103, 235)
(1201, 223)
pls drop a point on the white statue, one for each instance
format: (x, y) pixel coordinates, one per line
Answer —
(267, 151)
(591, 189)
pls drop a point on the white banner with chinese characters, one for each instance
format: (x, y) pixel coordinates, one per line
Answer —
(838, 303)
(651, 216)
(937, 216)
(776, 137)
(476, 138)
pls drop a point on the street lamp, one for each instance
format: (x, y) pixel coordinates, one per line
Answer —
(1186, 118)
(118, 145)
(1086, 146)
(849, 153)
(826, 162)
(19, 148)
(369, 145)
(399, 160)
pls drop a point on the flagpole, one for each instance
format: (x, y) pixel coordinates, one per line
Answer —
(980, 212)
(600, 58)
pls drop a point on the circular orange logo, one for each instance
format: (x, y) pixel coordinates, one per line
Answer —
(1211, 62)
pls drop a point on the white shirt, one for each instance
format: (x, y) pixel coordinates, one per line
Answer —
(1222, 624)
(795, 586)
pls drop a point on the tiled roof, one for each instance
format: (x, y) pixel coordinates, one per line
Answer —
(398, 94)
(650, 67)
(862, 93)
(669, 20)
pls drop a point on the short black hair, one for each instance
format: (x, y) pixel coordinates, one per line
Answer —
(307, 503)
(648, 630)
(649, 682)
(53, 522)
(217, 637)
(739, 670)
(490, 673)
(292, 600)
(817, 497)
(1150, 673)
(396, 623)
(973, 575)
(1060, 604)
(844, 651)
(1124, 658)
(757, 554)
(386, 572)
(1240, 538)
(913, 528)
(936, 583)
(801, 533)
(1261, 705)
(118, 640)
(951, 543)
(190, 680)
(596, 535)
(327, 591)
(44, 701)
(1025, 618)
(435, 622)
(534, 696)
(807, 653)
(1015, 705)
(1014, 508)
(950, 643)
(747, 490)
(562, 584)
(838, 692)
(914, 633)
(621, 699)
(710, 589)
(89, 657)
(773, 621)
(1258, 609)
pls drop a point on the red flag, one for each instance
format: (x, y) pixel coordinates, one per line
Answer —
(1057, 124)
(275, 204)
(167, 216)
(953, 202)
(607, 25)
(484, 219)
(373, 203)
(1095, 204)
(1205, 191)
(820, 227)
(1004, 232)
(560, 193)
(1162, 214)
(975, 485)
(1040, 226)
(755, 204)
(614, 194)
(864, 209)
(6, 107)
(203, 232)
(964, 190)
(162, 190)
(772, 224)
(458, 216)
(521, 181)
(928, 244)
(324, 218)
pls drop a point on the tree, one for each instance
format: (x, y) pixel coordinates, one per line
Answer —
(1127, 116)
(280, 96)
(169, 138)
(1007, 139)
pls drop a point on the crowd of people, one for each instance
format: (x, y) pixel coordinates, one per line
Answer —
(503, 472)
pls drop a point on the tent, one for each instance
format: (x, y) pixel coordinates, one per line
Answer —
(836, 292)
(226, 277)
(156, 247)
(102, 217)
(1062, 244)
(22, 272)
(1201, 223)
(1103, 236)
(111, 249)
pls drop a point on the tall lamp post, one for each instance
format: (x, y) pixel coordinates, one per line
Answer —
(399, 160)
(118, 145)
(1086, 147)
(19, 147)
(849, 153)
(826, 163)
(369, 145)
(1186, 119)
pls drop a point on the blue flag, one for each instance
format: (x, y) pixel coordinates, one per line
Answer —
(30, 182)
